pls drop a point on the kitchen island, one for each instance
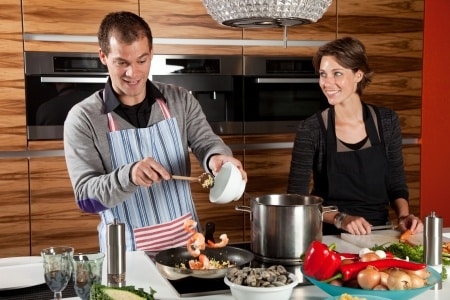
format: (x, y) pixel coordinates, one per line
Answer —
(142, 273)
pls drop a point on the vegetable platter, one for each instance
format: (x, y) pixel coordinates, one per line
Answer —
(371, 272)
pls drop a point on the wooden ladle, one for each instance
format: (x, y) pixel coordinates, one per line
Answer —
(206, 179)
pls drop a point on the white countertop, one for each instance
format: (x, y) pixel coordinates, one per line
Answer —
(142, 273)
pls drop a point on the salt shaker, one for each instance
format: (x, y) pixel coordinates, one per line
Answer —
(115, 247)
(432, 244)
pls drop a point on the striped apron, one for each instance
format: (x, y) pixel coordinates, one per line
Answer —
(162, 203)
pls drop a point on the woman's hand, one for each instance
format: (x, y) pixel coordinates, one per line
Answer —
(356, 225)
(411, 222)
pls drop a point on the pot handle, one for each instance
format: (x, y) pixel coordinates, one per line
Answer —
(245, 209)
(327, 209)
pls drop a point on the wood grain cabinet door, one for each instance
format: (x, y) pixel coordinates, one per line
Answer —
(55, 218)
(187, 19)
(14, 208)
(13, 135)
(78, 17)
(392, 31)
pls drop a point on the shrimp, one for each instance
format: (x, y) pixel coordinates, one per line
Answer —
(189, 226)
(223, 242)
(195, 244)
(201, 264)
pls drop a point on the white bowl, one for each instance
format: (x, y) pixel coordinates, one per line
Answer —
(243, 292)
(228, 185)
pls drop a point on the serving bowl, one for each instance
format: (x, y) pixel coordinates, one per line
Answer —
(228, 185)
(243, 292)
(334, 290)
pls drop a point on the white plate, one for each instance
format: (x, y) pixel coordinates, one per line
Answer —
(20, 272)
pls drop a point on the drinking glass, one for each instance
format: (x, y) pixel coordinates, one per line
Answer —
(87, 270)
(57, 268)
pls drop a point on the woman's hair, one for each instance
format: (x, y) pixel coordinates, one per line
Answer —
(127, 28)
(349, 53)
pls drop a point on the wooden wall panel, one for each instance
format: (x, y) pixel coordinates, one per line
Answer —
(184, 19)
(55, 218)
(74, 17)
(392, 31)
(14, 207)
(12, 96)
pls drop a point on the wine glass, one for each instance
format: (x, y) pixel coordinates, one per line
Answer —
(87, 270)
(57, 268)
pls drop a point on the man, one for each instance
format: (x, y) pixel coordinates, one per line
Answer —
(123, 143)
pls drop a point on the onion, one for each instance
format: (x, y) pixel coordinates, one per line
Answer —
(370, 256)
(336, 282)
(368, 278)
(380, 287)
(363, 251)
(384, 277)
(381, 254)
(398, 280)
(422, 273)
(417, 282)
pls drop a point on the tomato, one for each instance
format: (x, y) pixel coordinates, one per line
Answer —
(368, 278)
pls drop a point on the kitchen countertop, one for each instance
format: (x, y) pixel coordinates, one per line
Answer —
(142, 273)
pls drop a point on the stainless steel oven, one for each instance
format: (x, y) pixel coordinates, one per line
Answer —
(279, 92)
(54, 82)
(215, 81)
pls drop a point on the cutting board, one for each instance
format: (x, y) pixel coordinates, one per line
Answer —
(381, 237)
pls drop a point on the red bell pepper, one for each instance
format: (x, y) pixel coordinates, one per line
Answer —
(350, 271)
(320, 261)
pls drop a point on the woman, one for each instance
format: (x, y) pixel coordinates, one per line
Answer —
(353, 150)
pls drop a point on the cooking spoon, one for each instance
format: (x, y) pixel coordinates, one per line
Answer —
(206, 179)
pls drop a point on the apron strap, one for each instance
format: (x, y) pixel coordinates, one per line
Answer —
(165, 111)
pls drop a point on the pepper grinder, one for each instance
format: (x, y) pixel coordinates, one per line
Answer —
(432, 244)
(115, 246)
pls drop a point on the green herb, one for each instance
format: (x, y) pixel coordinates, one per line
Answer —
(413, 253)
(102, 292)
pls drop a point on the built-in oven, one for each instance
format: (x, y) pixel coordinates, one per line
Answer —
(215, 81)
(54, 82)
(279, 92)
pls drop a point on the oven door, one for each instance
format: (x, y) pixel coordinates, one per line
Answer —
(278, 104)
(49, 99)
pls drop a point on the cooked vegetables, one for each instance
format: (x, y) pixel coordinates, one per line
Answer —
(102, 292)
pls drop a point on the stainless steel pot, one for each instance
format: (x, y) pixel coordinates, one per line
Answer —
(283, 225)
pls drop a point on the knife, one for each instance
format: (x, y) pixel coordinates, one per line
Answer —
(384, 227)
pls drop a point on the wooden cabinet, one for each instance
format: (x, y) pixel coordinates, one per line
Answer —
(12, 96)
(69, 18)
(14, 207)
(186, 19)
(225, 217)
(322, 31)
(55, 217)
(392, 31)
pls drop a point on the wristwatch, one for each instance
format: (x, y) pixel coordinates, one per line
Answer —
(338, 219)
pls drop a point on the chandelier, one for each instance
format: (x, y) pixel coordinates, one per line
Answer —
(266, 13)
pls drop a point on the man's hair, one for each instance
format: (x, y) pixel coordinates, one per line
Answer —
(127, 27)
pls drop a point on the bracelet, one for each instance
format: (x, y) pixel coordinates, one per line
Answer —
(338, 219)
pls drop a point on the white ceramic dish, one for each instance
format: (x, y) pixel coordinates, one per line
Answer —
(20, 272)
(242, 292)
(228, 185)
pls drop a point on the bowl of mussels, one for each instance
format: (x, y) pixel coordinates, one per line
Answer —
(270, 283)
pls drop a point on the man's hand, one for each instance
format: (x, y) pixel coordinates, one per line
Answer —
(148, 171)
(216, 162)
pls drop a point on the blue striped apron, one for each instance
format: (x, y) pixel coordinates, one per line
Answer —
(162, 202)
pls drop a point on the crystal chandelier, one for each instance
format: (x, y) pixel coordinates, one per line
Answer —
(266, 13)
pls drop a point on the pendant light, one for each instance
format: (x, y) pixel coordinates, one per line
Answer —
(266, 13)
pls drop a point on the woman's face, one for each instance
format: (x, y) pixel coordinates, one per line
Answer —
(338, 83)
(128, 67)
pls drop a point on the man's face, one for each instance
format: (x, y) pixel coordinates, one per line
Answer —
(129, 68)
